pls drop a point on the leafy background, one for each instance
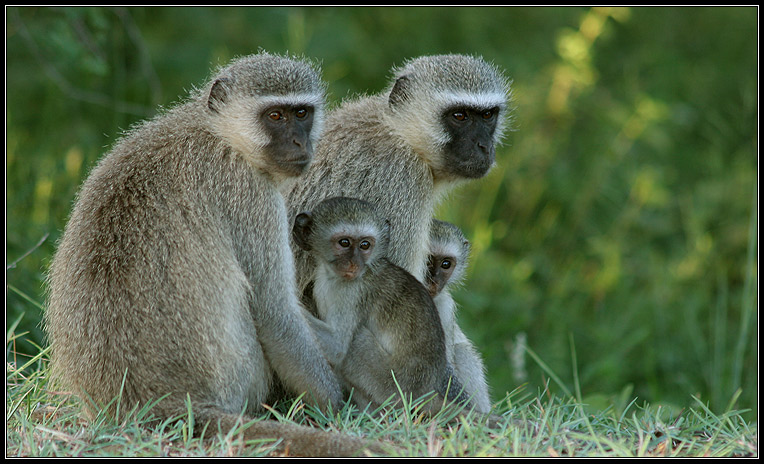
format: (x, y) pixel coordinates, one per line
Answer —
(616, 239)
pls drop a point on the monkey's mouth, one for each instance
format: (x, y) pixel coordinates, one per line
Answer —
(350, 273)
(301, 161)
(294, 166)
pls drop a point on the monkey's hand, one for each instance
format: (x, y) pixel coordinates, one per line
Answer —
(327, 339)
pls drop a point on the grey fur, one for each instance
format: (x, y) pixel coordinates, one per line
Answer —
(174, 271)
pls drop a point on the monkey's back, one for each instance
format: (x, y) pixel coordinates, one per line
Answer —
(404, 319)
(129, 272)
(360, 156)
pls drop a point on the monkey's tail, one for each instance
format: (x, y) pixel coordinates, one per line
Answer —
(291, 439)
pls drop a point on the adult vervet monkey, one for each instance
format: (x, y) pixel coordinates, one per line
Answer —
(174, 275)
(436, 125)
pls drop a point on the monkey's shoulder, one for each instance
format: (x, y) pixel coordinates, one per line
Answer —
(402, 315)
(358, 111)
(358, 123)
(165, 176)
(162, 141)
(398, 295)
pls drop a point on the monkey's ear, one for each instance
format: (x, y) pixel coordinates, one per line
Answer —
(303, 226)
(218, 94)
(400, 92)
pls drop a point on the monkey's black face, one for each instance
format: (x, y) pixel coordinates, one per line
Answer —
(471, 151)
(290, 149)
(351, 254)
(439, 270)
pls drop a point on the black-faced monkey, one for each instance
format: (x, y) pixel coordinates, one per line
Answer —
(174, 272)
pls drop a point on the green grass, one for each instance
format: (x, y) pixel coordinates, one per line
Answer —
(42, 422)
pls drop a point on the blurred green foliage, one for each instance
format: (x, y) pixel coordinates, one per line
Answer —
(620, 221)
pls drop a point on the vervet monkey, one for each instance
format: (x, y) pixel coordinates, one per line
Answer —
(436, 124)
(174, 275)
(449, 253)
(378, 325)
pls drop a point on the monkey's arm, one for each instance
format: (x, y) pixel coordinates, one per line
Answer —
(293, 352)
(328, 340)
(288, 342)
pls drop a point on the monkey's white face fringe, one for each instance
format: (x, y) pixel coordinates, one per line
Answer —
(355, 230)
(238, 123)
(447, 248)
(424, 130)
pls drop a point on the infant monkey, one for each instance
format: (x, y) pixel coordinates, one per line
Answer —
(378, 324)
(447, 262)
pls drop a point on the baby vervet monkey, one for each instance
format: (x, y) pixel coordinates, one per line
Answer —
(378, 324)
(447, 263)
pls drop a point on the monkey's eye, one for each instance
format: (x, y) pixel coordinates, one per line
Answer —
(445, 264)
(344, 243)
(365, 245)
(460, 115)
(488, 114)
(275, 115)
(301, 113)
